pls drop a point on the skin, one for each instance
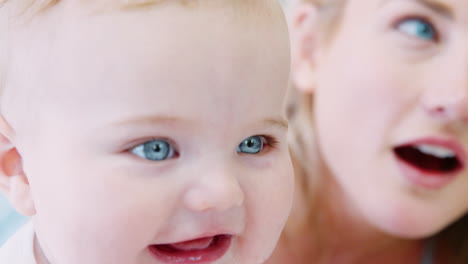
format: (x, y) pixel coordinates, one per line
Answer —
(376, 85)
(114, 80)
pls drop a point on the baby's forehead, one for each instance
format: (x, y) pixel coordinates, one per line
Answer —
(170, 32)
(61, 18)
(126, 36)
(51, 19)
(33, 8)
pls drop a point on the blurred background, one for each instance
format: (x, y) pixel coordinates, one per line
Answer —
(10, 221)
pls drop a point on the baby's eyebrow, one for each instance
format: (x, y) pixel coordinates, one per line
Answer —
(152, 120)
(278, 122)
(148, 120)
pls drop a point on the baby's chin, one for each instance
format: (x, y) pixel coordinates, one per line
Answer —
(257, 253)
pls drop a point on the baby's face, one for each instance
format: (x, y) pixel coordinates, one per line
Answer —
(160, 138)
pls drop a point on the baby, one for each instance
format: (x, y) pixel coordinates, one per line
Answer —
(138, 132)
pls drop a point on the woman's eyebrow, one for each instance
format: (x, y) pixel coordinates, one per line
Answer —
(436, 6)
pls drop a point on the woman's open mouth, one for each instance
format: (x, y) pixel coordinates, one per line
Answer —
(201, 250)
(430, 163)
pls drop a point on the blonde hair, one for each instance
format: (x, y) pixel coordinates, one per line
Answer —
(300, 106)
(304, 150)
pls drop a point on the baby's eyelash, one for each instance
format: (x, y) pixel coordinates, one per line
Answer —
(271, 141)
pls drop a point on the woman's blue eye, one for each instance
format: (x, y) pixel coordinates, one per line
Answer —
(418, 28)
(155, 150)
(251, 145)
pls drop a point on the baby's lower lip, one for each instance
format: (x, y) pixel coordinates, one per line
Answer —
(193, 252)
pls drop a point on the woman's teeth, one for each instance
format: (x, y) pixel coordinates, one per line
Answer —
(437, 151)
(429, 158)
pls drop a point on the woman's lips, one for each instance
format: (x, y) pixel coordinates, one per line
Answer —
(202, 250)
(430, 163)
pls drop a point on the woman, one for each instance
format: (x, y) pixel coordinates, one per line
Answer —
(379, 132)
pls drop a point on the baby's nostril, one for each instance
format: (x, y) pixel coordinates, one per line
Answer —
(439, 109)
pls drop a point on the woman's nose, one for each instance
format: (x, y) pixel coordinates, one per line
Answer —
(446, 96)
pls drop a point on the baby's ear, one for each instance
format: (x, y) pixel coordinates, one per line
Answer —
(13, 182)
(303, 26)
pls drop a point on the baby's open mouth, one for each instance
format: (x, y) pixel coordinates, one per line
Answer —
(200, 250)
(430, 158)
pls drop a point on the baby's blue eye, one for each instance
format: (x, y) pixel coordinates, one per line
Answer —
(155, 150)
(251, 145)
(418, 28)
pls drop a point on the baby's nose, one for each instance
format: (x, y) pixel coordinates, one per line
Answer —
(218, 189)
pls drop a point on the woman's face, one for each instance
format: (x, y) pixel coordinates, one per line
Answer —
(391, 109)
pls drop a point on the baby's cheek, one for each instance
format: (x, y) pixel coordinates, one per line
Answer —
(270, 201)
